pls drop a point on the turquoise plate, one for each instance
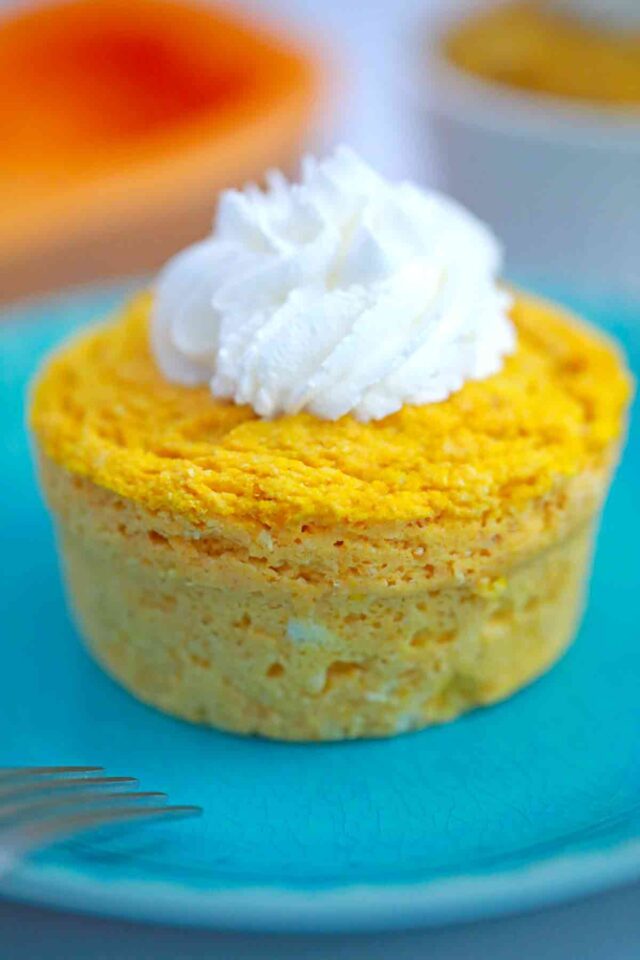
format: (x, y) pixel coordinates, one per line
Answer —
(527, 803)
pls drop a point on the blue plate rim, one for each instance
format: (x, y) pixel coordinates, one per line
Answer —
(362, 907)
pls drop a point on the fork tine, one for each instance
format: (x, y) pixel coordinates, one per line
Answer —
(8, 774)
(46, 831)
(52, 785)
(26, 811)
(40, 806)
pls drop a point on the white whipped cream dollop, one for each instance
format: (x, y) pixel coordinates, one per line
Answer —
(341, 294)
(612, 14)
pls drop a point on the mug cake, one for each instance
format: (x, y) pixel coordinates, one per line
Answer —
(329, 478)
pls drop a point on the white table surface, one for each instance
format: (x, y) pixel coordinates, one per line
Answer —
(374, 118)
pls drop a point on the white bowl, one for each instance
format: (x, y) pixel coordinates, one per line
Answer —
(559, 181)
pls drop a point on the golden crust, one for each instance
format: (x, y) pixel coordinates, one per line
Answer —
(359, 559)
(103, 412)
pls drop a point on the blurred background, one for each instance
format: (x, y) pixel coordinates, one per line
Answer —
(121, 119)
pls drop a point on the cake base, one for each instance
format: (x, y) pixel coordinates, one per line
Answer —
(310, 661)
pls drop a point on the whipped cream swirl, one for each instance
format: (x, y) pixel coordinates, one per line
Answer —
(619, 15)
(341, 294)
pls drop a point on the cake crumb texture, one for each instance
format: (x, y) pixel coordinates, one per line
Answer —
(317, 664)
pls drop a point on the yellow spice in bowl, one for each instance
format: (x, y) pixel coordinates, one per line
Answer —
(529, 47)
(307, 579)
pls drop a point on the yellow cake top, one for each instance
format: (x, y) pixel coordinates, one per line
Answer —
(102, 410)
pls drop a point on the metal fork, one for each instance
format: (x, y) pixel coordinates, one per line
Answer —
(40, 806)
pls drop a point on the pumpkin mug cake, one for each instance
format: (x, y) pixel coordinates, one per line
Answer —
(330, 479)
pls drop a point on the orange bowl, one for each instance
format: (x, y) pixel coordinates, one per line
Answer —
(120, 119)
